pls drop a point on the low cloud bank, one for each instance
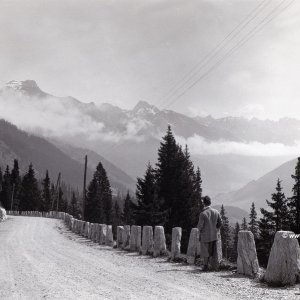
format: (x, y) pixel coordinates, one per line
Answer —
(59, 118)
(199, 145)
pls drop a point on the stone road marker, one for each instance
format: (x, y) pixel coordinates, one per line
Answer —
(284, 261)
(247, 262)
(159, 241)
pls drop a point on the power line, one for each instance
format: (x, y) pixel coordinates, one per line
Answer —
(247, 37)
(216, 50)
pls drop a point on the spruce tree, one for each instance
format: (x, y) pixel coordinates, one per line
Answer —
(266, 236)
(116, 217)
(98, 206)
(225, 231)
(149, 210)
(167, 176)
(73, 207)
(46, 193)
(294, 201)
(1, 179)
(253, 223)
(197, 205)
(30, 197)
(279, 214)
(16, 184)
(244, 224)
(128, 211)
(235, 240)
(6, 192)
(62, 202)
(183, 204)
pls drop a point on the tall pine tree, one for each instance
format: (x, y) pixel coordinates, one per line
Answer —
(225, 231)
(116, 216)
(244, 224)
(279, 214)
(253, 223)
(98, 206)
(73, 208)
(16, 185)
(266, 236)
(197, 205)
(149, 210)
(128, 210)
(294, 201)
(235, 240)
(167, 176)
(30, 197)
(6, 192)
(46, 193)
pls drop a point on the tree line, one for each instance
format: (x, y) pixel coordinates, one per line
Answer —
(24, 192)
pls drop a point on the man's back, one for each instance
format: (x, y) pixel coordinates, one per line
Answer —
(209, 222)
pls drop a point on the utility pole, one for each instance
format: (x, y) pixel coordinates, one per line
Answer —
(84, 187)
(12, 197)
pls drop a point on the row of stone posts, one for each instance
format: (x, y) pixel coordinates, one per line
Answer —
(50, 214)
(283, 266)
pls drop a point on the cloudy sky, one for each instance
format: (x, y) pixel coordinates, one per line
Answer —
(129, 50)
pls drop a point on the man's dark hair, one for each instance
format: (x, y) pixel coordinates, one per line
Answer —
(206, 201)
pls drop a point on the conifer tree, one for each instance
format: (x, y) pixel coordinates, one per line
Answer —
(128, 210)
(225, 231)
(244, 224)
(62, 202)
(46, 193)
(6, 192)
(294, 201)
(279, 214)
(197, 205)
(116, 216)
(266, 236)
(149, 210)
(73, 207)
(167, 176)
(98, 207)
(1, 181)
(16, 184)
(272, 221)
(235, 240)
(30, 198)
(253, 223)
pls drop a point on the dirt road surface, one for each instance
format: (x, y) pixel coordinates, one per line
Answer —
(41, 259)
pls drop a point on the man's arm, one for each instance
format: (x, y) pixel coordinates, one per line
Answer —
(219, 222)
(201, 222)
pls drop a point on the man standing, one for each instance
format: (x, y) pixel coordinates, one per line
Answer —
(208, 225)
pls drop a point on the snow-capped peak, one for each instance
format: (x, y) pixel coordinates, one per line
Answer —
(27, 86)
(143, 107)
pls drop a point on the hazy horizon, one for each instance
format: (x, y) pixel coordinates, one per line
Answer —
(121, 52)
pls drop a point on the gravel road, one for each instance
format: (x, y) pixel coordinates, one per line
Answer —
(41, 259)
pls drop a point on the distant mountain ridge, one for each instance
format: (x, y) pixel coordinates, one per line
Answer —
(260, 190)
(130, 138)
(28, 148)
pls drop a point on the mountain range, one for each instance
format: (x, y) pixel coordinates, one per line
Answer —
(28, 148)
(260, 190)
(231, 151)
